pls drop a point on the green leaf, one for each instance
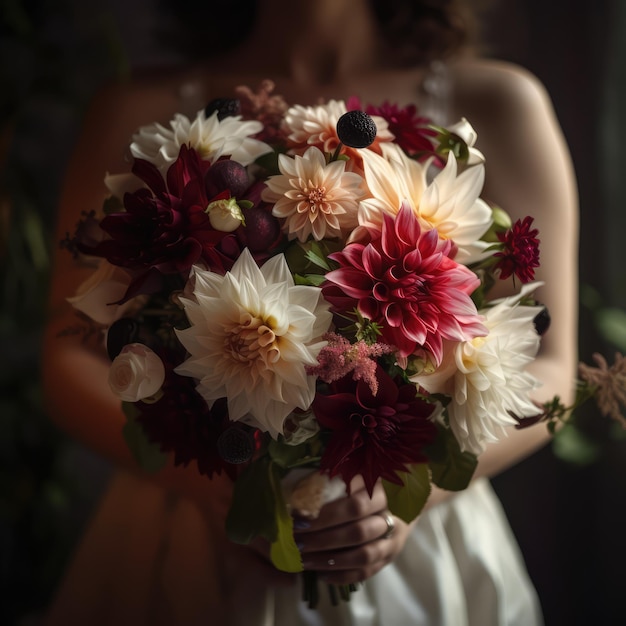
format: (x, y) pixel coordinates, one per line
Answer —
(611, 323)
(309, 279)
(252, 510)
(284, 551)
(406, 501)
(146, 453)
(450, 468)
(288, 456)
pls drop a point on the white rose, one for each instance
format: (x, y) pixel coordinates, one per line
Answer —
(225, 215)
(136, 373)
(95, 296)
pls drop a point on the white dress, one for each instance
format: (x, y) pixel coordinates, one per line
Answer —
(149, 559)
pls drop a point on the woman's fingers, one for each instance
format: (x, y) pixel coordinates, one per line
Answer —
(356, 506)
(352, 564)
(355, 533)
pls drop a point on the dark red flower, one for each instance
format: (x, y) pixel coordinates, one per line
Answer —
(164, 229)
(520, 251)
(373, 435)
(182, 423)
(411, 131)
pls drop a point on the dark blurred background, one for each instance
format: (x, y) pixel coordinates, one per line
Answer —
(566, 504)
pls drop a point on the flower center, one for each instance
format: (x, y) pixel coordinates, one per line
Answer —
(253, 341)
(315, 196)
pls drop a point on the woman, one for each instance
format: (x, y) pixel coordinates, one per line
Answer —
(155, 552)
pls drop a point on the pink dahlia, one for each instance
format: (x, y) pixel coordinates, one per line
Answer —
(375, 436)
(520, 251)
(406, 281)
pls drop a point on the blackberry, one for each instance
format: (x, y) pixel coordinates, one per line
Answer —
(225, 107)
(356, 129)
(542, 321)
(235, 445)
(121, 333)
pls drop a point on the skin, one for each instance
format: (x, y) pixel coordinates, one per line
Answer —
(528, 172)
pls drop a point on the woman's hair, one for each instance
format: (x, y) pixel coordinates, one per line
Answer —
(420, 31)
(416, 31)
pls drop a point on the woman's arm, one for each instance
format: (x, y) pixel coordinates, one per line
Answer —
(529, 172)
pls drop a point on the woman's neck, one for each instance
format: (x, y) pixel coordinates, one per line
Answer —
(313, 42)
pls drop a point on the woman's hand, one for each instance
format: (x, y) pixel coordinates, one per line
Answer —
(351, 539)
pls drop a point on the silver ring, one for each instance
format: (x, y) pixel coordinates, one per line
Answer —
(391, 524)
(331, 562)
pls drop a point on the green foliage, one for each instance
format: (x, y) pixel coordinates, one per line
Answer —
(146, 453)
(407, 500)
(284, 551)
(253, 507)
(451, 468)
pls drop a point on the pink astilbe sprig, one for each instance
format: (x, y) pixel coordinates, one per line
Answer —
(264, 106)
(610, 384)
(340, 357)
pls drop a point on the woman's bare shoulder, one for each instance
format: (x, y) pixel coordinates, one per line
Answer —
(495, 93)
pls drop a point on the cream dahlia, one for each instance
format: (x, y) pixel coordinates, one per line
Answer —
(485, 376)
(210, 138)
(314, 197)
(317, 126)
(252, 333)
(450, 203)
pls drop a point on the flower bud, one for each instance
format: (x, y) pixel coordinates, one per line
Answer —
(225, 215)
(136, 373)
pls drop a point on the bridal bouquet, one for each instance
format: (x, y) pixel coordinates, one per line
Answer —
(309, 288)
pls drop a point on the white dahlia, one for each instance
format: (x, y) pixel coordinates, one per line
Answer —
(210, 137)
(252, 333)
(485, 377)
(450, 203)
(314, 197)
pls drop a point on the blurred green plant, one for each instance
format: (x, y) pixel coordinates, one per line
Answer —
(586, 434)
(52, 60)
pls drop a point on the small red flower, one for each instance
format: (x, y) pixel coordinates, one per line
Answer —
(411, 131)
(375, 436)
(520, 251)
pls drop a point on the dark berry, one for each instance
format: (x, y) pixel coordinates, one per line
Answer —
(356, 129)
(235, 445)
(121, 333)
(542, 321)
(226, 175)
(261, 231)
(225, 107)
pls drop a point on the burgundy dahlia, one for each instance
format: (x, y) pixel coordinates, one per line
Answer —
(182, 423)
(164, 229)
(375, 436)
